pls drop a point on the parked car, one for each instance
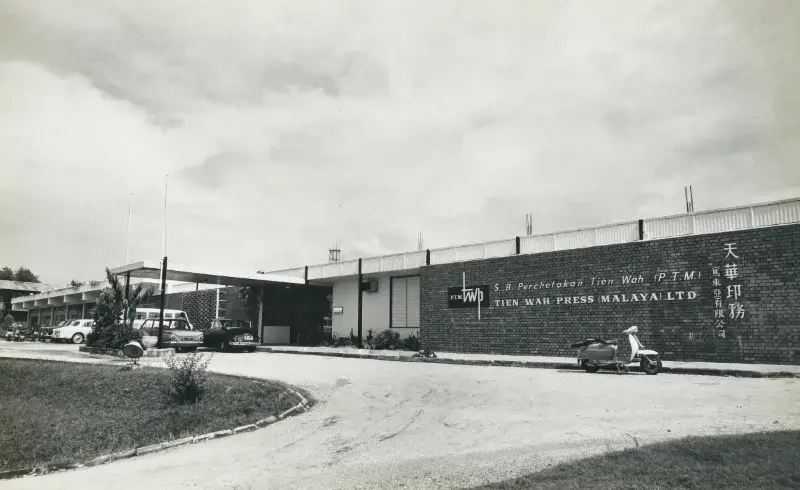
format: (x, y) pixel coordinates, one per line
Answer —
(153, 313)
(229, 334)
(47, 332)
(177, 333)
(74, 331)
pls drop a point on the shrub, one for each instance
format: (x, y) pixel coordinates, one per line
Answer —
(411, 343)
(108, 331)
(188, 377)
(8, 321)
(387, 340)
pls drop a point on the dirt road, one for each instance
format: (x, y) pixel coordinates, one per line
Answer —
(406, 425)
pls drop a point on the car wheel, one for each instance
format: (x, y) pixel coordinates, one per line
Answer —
(251, 349)
(77, 338)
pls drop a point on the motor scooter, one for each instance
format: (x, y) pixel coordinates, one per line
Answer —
(596, 354)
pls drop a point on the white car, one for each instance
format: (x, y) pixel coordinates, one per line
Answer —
(75, 331)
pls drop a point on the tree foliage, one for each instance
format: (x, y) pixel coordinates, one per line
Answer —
(75, 283)
(249, 297)
(109, 331)
(8, 321)
(23, 274)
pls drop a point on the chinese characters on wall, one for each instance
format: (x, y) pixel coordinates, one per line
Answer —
(727, 289)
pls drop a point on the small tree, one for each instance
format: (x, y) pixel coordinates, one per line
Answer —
(109, 331)
(8, 320)
(7, 273)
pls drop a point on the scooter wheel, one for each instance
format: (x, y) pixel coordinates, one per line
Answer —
(589, 368)
(651, 367)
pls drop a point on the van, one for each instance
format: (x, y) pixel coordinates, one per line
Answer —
(153, 313)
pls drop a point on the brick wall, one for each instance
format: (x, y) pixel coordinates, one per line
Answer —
(540, 303)
(200, 305)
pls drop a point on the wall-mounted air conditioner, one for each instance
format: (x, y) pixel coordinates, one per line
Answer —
(370, 286)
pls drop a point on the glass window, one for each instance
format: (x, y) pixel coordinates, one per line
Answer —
(180, 325)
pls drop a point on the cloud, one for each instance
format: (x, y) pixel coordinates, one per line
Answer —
(290, 125)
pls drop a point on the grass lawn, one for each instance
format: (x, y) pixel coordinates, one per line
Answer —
(59, 412)
(752, 461)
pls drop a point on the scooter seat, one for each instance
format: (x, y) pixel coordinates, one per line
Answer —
(588, 342)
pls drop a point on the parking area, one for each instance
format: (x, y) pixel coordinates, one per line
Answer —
(390, 425)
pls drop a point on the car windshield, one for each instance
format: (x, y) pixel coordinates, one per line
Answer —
(180, 325)
(234, 324)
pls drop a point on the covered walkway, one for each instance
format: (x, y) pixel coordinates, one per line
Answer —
(284, 303)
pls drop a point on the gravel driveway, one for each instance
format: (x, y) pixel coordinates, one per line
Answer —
(386, 424)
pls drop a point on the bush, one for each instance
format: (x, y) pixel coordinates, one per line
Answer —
(411, 343)
(8, 321)
(340, 341)
(369, 342)
(387, 340)
(188, 377)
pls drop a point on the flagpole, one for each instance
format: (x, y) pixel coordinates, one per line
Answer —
(163, 270)
(166, 190)
(128, 237)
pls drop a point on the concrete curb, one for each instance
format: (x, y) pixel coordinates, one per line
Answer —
(107, 458)
(152, 352)
(573, 366)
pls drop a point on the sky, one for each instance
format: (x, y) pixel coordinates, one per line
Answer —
(288, 125)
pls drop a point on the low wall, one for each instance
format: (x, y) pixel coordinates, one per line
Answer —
(118, 352)
(726, 297)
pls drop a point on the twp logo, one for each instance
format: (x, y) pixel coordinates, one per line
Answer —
(468, 296)
(472, 295)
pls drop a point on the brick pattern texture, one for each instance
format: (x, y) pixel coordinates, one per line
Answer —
(749, 312)
(201, 305)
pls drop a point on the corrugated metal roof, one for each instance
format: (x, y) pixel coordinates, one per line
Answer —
(31, 287)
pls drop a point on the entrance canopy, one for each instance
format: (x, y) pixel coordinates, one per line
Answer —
(151, 269)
